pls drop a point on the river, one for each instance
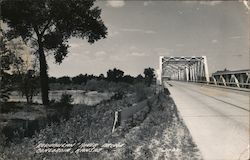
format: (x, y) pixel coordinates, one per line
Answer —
(79, 96)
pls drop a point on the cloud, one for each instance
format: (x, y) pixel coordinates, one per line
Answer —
(138, 54)
(86, 52)
(235, 37)
(149, 32)
(179, 45)
(116, 3)
(211, 3)
(214, 41)
(238, 55)
(75, 53)
(138, 30)
(113, 33)
(163, 51)
(116, 58)
(132, 47)
(189, 2)
(100, 53)
(146, 3)
(180, 12)
(75, 45)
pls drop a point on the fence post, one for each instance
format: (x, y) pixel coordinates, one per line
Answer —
(117, 120)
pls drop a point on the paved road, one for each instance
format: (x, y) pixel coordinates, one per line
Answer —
(218, 119)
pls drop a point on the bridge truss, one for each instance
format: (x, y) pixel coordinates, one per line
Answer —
(240, 78)
(193, 68)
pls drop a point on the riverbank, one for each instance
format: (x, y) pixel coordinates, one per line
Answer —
(79, 96)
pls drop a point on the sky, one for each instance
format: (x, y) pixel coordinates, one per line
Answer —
(141, 31)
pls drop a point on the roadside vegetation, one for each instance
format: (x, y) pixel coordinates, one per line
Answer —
(156, 132)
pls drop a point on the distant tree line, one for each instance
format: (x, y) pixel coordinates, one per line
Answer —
(114, 75)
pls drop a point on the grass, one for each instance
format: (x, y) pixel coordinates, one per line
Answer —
(161, 135)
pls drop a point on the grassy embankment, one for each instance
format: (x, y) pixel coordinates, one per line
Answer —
(156, 132)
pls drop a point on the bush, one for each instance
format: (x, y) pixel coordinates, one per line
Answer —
(66, 99)
(118, 95)
(62, 108)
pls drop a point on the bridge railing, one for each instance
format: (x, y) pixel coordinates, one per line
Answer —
(224, 84)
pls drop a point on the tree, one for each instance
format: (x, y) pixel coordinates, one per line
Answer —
(48, 24)
(80, 79)
(64, 80)
(128, 79)
(114, 75)
(139, 79)
(5, 62)
(149, 75)
(9, 61)
(52, 80)
(101, 77)
(29, 85)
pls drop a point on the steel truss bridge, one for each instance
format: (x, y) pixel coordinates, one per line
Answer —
(195, 69)
(216, 112)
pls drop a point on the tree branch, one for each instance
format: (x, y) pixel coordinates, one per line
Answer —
(37, 31)
(33, 38)
(46, 27)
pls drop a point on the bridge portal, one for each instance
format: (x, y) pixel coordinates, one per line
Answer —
(184, 68)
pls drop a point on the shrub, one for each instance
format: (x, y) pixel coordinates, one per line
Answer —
(66, 99)
(118, 95)
(62, 108)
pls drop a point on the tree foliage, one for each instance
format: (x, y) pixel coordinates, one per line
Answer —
(64, 80)
(80, 79)
(29, 84)
(149, 75)
(48, 24)
(15, 71)
(10, 62)
(115, 75)
(128, 79)
(5, 62)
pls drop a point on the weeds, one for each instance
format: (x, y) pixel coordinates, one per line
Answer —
(142, 92)
(61, 109)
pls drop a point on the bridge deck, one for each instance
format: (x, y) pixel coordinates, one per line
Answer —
(217, 119)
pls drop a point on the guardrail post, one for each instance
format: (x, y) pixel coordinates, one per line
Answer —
(160, 68)
(117, 121)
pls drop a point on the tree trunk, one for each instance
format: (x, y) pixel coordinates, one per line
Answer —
(43, 74)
